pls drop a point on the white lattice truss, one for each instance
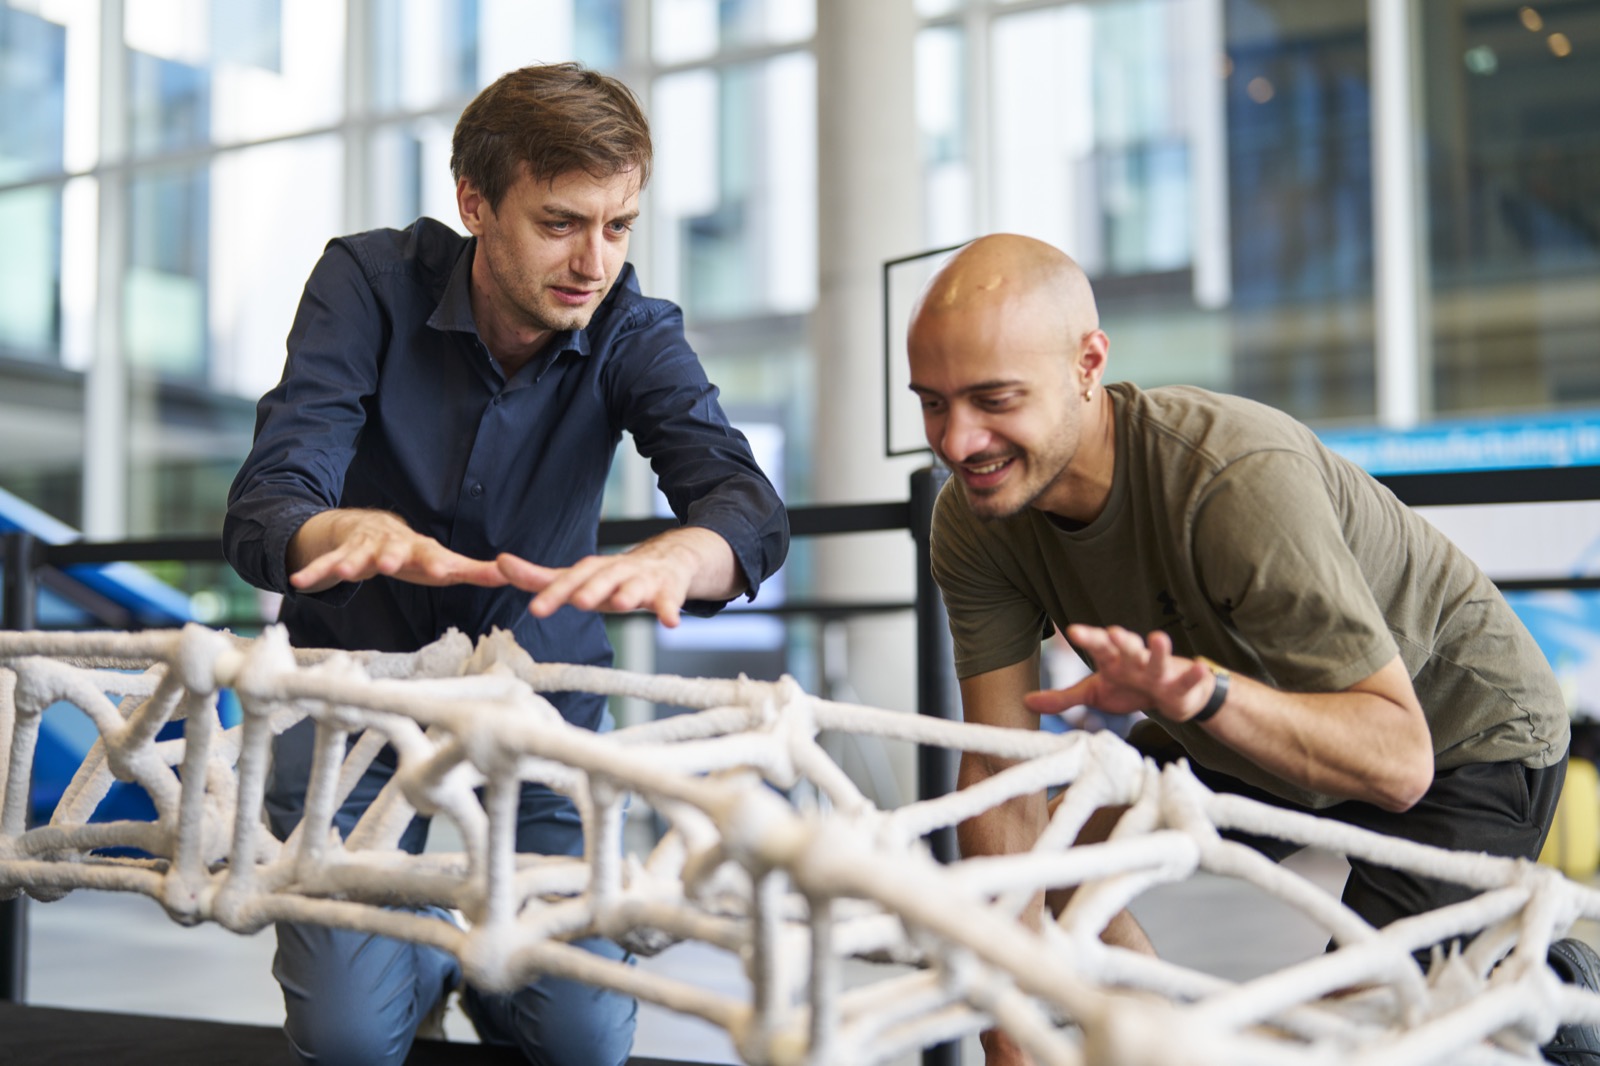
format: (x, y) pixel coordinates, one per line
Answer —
(794, 888)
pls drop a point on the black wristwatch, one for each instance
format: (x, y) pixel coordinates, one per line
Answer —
(1219, 690)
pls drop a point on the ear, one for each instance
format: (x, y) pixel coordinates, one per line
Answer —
(1093, 355)
(473, 207)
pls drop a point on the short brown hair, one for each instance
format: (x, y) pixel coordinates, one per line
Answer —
(553, 119)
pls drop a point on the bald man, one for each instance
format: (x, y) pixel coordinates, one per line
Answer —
(1286, 624)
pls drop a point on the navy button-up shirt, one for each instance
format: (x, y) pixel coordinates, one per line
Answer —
(390, 400)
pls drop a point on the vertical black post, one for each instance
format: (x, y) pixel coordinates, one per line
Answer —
(16, 612)
(936, 766)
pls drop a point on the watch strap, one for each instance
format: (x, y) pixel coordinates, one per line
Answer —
(1219, 691)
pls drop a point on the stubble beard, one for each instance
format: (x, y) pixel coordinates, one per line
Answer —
(562, 320)
(539, 310)
(544, 313)
(990, 506)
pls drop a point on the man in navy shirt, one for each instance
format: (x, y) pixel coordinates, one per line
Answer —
(437, 449)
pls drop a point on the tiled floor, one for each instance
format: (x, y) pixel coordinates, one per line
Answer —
(121, 953)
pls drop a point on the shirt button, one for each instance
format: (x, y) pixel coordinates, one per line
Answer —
(495, 401)
(477, 489)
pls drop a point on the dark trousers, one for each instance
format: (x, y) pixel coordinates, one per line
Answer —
(1503, 809)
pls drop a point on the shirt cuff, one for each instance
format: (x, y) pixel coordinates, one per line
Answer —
(748, 561)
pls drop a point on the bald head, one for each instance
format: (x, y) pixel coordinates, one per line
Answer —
(1010, 275)
(1005, 352)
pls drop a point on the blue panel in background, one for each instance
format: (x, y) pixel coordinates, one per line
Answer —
(65, 732)
(1483, 444)
(149, 601)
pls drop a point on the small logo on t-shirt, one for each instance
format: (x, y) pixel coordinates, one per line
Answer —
(1173, 619)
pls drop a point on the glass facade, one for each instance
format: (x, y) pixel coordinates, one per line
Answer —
(1091, 125)
(41, 416)
(1512, 107)
(1300, 202)
(1108, 177)
(1081, 124)
(733, 195)
(685, 31)
(942, 122)
(32, 91)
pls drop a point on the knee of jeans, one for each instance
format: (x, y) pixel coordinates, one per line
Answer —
(556, 1022)
(353, 997)
(580, 1026)
(318, 1035)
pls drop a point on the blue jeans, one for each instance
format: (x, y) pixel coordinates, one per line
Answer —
(354, 998)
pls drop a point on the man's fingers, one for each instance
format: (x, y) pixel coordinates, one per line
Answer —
(650, 588)
(1054, 700)
(529, 577)
(420, 563)
(666, 601)
(346, 564)
(633, 592)
(391, 557)
(1092, 639)
(598, 593)
(424, 561)
(365, 544)
(621, 586)
(667, 613)
(482, 572)
(1160, 653)
(1128, 643)
(613, 583)
(308, 575)
(567, 585)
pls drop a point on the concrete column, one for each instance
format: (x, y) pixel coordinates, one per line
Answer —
(869, 193)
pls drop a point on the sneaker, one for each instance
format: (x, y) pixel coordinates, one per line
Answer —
(1576, 963)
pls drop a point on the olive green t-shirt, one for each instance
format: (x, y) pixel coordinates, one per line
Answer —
(1232, 528)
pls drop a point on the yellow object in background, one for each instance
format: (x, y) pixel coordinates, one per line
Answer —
(1573, 846)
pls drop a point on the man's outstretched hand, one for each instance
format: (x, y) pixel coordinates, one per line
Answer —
(353, 545)
(656, 576)
(1130, 675)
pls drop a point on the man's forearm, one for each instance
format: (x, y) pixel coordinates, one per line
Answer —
(1368, 742)
(1354, 744)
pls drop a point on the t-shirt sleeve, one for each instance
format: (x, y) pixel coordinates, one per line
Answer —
(1271, 554)
(994, 622)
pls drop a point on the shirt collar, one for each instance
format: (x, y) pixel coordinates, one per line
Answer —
(454, 311)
